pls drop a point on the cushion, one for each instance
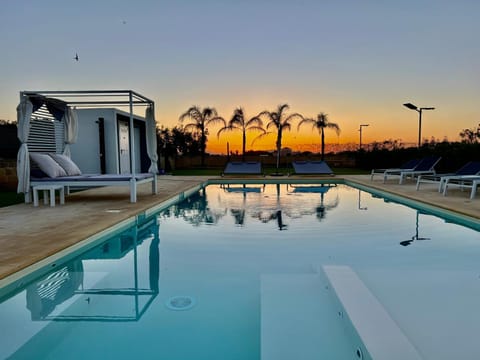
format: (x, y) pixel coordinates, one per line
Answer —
(67, 164)
(48, 165)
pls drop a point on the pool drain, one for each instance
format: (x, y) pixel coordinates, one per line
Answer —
(180, 303)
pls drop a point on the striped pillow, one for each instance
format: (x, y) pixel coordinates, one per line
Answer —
(67, 164)
(48, 165)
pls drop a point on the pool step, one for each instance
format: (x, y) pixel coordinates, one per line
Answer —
(376, 331)
(298, 320)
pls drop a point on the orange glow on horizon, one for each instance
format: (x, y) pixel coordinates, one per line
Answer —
(297, 141)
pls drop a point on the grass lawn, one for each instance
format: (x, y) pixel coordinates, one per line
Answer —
(8, 198)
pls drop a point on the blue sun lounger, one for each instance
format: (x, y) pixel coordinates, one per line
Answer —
(242, 168)
(425, 167)
(465, 181)
(311, 167)
(470, 168)
(409, 165)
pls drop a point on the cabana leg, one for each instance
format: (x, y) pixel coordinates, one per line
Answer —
(154, 184)
(133, 190)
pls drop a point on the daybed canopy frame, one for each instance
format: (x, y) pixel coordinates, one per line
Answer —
(62, 104)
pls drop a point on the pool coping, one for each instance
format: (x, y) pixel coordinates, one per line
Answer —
(198, 182)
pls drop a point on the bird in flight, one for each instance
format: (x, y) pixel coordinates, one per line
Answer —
(76, 57)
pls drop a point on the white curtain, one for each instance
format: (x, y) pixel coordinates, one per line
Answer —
(24, 112)
(70, 120)
(151, 140)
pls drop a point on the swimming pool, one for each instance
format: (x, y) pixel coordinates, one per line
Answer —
(250, 271)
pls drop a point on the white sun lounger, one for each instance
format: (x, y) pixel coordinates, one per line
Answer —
(86, 181)
(466, 181)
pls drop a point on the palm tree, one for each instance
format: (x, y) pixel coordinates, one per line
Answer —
(321, 124)
(201, 118)
(239, 122)
(280, 121)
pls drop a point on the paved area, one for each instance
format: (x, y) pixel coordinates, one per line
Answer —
(29, 234)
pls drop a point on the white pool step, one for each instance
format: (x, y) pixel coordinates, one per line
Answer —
(298, 320)
(378, 332)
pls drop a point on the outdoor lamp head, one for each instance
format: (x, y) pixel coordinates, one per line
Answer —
(410, 106)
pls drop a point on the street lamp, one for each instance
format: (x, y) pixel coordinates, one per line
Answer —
(360, 129)
(419, 110)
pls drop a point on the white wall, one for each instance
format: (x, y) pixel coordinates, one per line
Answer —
(86, 151)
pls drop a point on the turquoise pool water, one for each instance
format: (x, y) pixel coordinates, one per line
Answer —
(202, 279)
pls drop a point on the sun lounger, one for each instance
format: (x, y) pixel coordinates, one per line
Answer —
(425, 166)
(465, 181)
(470, 168)
(409, 165)
(95, 180)
(242, 168)
(312, 167)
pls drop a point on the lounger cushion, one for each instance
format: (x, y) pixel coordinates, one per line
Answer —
(67, 164)
(48, 165)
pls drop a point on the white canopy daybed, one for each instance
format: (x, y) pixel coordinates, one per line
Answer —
(60, 106)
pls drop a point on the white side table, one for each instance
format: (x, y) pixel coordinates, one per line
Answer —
(46, 189)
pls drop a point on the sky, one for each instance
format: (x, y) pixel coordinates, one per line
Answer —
(356, 60)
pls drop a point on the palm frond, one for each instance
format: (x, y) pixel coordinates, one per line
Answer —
(281, 108)
(224, 129)
(193, 112)
(256, 128)
(216, 120)
(261, 136)
(293, 116)
(255, 121)
(209, 112)
(335, 127)
(306, 121)
(192, 127)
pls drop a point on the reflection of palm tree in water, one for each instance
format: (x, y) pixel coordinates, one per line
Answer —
(194, 209)
(321, 209)
(239, 216)
(276, 215)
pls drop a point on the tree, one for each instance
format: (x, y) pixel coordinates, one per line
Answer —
(321, 123)
(280, 121)
(200, 119)
(238, 122)
(470, 136)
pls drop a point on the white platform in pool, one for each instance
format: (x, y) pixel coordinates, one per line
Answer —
(298, 320)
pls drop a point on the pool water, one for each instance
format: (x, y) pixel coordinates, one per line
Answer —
(231, 272)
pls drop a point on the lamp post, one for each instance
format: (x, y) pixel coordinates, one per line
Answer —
(360, 129)
(419, 110)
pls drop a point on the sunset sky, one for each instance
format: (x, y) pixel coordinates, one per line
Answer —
(358, 61)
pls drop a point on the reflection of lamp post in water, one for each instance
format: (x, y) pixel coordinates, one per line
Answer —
(414, 237)
(359, 201)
